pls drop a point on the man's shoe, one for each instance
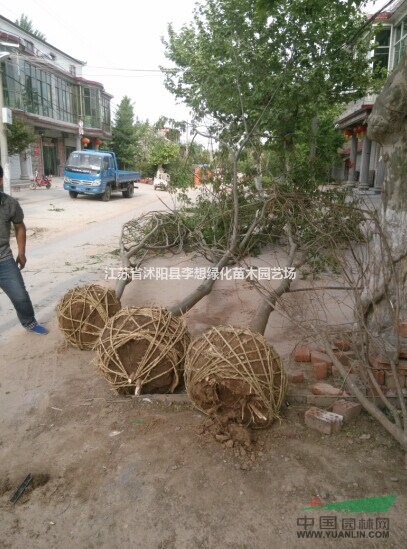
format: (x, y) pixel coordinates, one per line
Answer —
(37, 329)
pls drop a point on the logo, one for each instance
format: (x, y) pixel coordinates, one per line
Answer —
(377, 504)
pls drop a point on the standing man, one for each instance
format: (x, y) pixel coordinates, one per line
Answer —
(11, 281)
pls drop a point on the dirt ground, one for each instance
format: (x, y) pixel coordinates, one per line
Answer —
(118, 473)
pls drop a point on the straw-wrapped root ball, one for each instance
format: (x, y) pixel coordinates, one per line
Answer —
(235, 375)
(142, 350)
(83, 312)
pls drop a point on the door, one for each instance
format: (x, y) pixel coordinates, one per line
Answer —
(49, 152)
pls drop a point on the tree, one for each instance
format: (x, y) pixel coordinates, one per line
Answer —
(27, 25)
(124, 141)
(267, 71)
(164, 151)
(19, 136)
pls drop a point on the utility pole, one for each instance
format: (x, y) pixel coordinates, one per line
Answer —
(5, 161)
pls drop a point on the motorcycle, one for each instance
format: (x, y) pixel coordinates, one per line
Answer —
(41, 181)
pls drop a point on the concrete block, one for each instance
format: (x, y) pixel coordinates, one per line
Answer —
(323, 421)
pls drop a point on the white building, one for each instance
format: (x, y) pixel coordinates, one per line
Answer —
(44, 86)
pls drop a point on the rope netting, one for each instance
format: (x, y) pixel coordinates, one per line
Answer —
(152, 234)
(142, 350)
(83, 312)
(235, 375)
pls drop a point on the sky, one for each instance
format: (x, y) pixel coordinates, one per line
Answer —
(117, 35)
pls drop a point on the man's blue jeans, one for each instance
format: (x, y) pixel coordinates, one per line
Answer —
(12, 284)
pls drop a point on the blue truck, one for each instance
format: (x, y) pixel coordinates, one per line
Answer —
(95, 173)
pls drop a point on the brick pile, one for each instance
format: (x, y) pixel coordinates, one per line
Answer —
(312, 360)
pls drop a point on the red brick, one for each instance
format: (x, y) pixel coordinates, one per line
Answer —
(379, 376)
(402, 329)
(302, 353)
(322, 421)
(320, 370)
(325, 389)
(318, 358)
(348, 410)
(296, 377)
(390, 381)
(380, 362)
(403, 351)
(341, 344)
(345, 357)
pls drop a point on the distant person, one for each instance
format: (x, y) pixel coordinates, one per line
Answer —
(11, 281)
(1, 178)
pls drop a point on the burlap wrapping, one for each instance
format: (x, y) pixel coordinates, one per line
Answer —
(142, 350)
(234, 374)
(83, 312)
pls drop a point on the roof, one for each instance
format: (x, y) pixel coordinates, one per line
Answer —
(390, 10)
(30, 34)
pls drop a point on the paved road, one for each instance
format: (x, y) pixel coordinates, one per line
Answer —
(70, 244)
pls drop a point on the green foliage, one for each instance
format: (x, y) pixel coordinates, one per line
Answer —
(19, 136)
(163, 151)
(26, 24)
(124, 139)
(267, 68)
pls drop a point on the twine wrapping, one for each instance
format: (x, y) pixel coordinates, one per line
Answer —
(142, 350)
(83, 312)
(235, 374)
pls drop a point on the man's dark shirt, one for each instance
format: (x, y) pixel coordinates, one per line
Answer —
(10, 212)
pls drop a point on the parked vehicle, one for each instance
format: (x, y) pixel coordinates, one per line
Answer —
(162, 181)
(41, 181)
(96, 173)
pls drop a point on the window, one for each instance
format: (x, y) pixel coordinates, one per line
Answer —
(106, 114)
(400, 39)
(72, 70)
(36, 93)
(29, 45)
(91, 107)
(65, 97)
(382, 49)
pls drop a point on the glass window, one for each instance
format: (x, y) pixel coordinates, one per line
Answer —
(400, 39)
(84, 162)
(66, 104)
(381, 51)
(91, 107)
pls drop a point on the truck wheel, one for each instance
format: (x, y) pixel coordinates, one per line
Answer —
(107, 194)
(73, 194)
(129, 192)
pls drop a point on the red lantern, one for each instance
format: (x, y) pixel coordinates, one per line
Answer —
(85, 141)
(360, 131)
(98, 142)
(347, 134)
